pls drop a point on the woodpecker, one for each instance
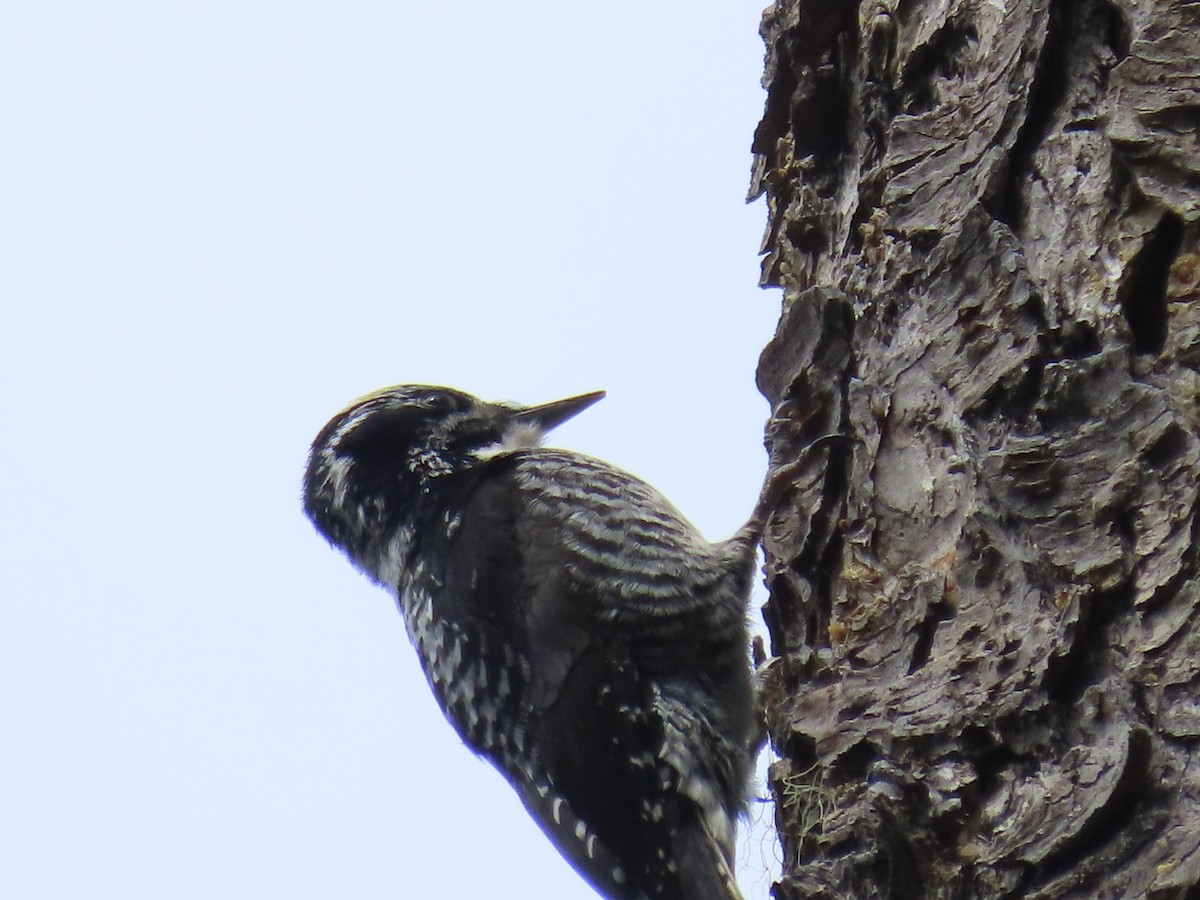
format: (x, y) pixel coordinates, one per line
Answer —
(578, 633)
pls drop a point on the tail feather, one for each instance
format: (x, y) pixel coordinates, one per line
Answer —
(704, 872)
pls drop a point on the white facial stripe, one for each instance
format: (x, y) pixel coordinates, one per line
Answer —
(519, 434)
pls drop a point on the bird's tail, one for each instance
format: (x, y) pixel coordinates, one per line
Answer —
(705, 872)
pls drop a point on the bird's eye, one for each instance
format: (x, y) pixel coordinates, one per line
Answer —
(433, 401)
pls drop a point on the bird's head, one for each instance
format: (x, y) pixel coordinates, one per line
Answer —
(373, 462)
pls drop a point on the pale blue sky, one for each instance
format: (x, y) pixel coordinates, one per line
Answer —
(220, 222)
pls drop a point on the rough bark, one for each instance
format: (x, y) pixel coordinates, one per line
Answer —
(985, 673)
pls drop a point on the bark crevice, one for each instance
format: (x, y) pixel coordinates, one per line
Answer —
(984, 592)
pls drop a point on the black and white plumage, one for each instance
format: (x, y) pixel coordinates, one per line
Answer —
(576, 630)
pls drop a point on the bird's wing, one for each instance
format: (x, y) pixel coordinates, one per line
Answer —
(585, 592)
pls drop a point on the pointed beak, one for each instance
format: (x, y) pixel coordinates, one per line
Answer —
(551, 415)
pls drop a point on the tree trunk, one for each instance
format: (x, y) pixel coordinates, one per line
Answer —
(985, 673)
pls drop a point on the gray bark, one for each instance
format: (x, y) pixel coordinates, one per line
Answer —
(985, 673)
